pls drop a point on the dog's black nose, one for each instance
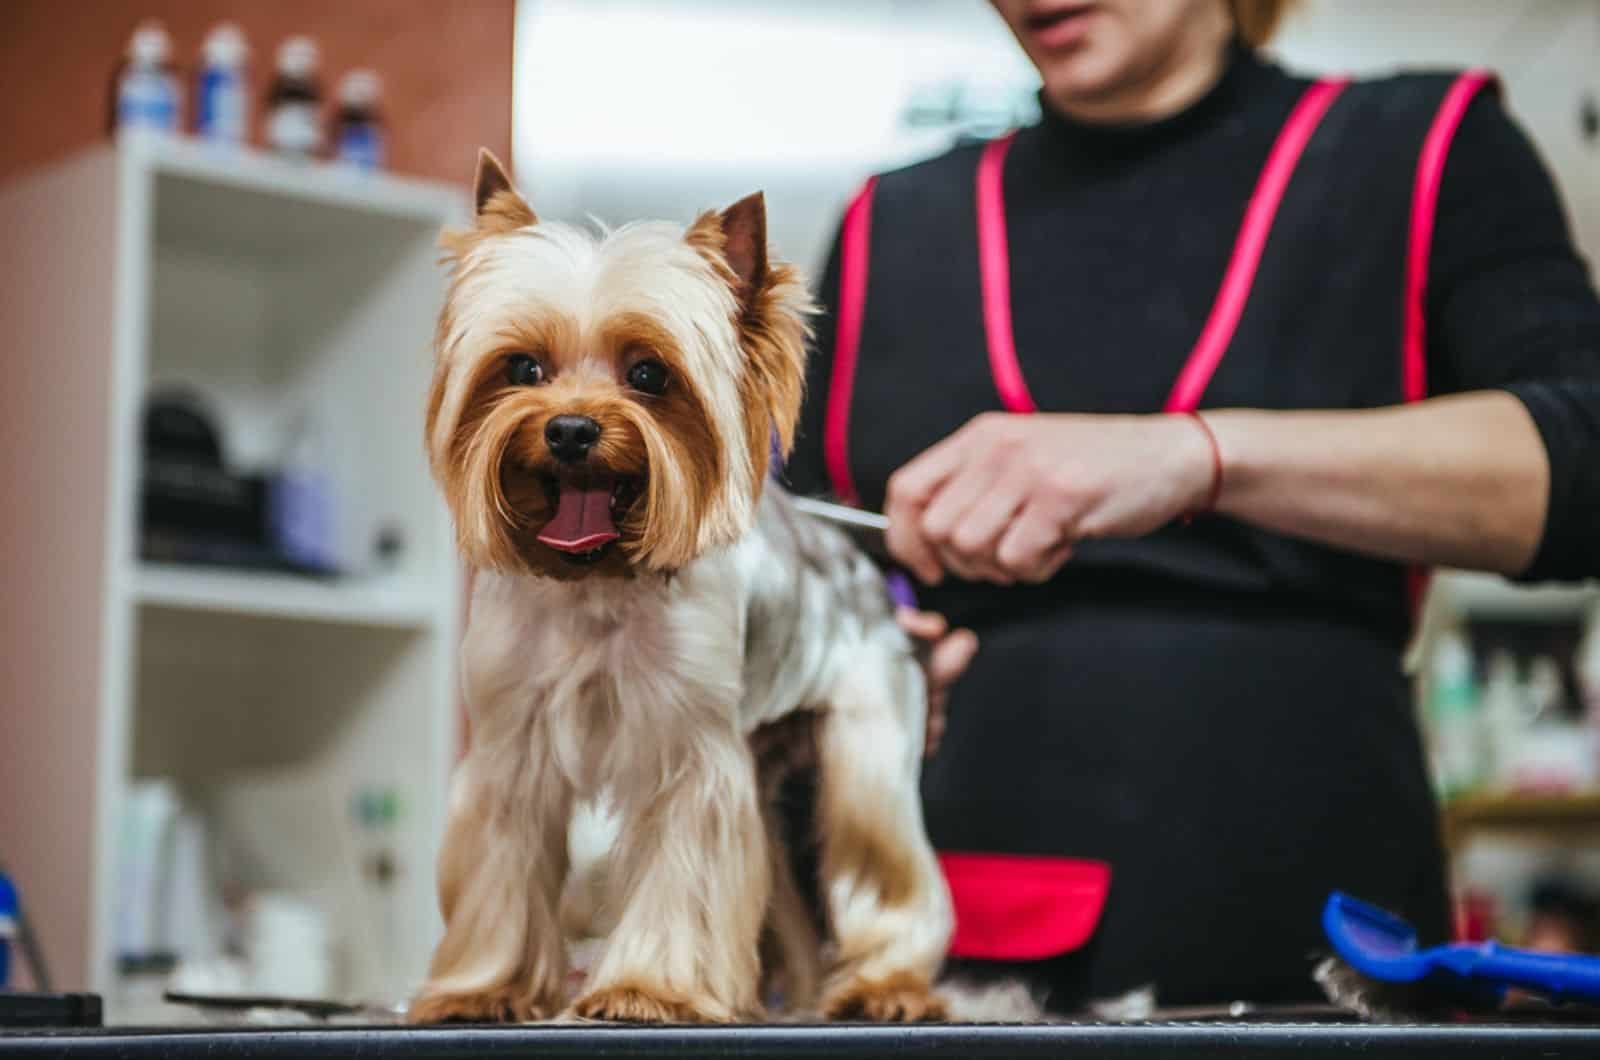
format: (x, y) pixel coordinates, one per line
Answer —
(571, 437)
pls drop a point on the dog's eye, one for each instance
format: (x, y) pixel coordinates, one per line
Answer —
(522, 370)
(648, 377)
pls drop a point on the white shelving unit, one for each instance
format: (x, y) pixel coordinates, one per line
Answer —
(1462, 595)
(277, 292)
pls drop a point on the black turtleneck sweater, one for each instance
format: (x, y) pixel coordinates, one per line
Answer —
(1217, 711)
(1129, 228)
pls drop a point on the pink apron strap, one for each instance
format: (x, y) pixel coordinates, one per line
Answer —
(994, 265)
(1258, 217)
(994, 271)
(853, 246)
(1424, 208)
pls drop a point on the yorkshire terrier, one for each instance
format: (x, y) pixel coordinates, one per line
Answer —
(601, 422)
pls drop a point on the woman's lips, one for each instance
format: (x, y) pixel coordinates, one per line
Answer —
(1060, 27)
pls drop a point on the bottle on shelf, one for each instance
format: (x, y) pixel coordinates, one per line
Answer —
(1587, 664)
(8, 926)
(1555, 757)
(302, 500)
(294, 101)
(1452, 711)
(358, 132)
(221, 104)
(1506, 718)
(377, 812)
(149, 97)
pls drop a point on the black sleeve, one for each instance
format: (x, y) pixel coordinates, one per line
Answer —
(806, 472)
(1511, 306)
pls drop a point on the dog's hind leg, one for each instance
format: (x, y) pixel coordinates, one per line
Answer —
(886, 898)
(792, 948)
(504, 857)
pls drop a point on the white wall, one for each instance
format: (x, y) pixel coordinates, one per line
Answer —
(630, 108)
(1547, 53)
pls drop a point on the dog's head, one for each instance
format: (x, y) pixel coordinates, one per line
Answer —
(606, 404)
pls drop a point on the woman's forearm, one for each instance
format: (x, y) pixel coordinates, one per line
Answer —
(1459, 481)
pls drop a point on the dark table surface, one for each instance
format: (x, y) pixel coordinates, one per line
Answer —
(1191, 1040)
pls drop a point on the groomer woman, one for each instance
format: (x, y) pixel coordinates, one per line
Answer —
(1168, 398)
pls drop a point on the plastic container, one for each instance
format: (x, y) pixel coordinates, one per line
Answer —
(287, 943)
(359, 138)
(1507, 717)
(303, 501)
(149, 815)
(8, 927)
(221, 102)
(149, 97)
(1452, 710)
(294, 101)
(1586, 662)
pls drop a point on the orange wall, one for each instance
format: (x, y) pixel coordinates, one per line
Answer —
(445, 64)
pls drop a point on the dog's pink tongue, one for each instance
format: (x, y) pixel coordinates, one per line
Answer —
(582, 522)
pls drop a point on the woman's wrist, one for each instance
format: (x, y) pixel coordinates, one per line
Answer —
(1211, 468)
(1231, 429)
(1457, 481)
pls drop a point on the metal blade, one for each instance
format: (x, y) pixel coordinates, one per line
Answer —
(865, 528)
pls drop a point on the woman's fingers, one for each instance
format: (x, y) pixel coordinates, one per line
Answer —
(953, 502)
(923, 625)
(960, 566)
(947, 662)
(916, 487)
(1033, 548)
(948, 658)
(909, 491)
(912, 550)
(971, 541)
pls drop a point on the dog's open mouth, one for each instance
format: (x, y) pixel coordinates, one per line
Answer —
(587, 509)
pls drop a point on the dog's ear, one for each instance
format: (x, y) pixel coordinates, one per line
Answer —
(499, 207)
(737, 237)
(773, 308)
(744, 240)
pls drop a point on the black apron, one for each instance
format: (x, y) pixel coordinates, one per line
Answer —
(1140, 783)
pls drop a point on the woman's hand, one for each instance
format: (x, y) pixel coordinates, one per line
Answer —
(1005, 498)
(946, 658)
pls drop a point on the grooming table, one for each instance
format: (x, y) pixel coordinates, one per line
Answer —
(1194, 1040)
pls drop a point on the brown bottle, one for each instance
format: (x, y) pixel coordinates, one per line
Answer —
(294, 101)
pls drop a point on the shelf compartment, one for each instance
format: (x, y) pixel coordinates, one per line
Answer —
(388, 604)
(250, 203)
(1492, 597)
(1568, 818)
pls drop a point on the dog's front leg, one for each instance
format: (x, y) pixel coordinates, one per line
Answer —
(692, 880)
(504, 858)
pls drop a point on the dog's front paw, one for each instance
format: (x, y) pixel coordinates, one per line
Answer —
(645, 1004)
(901, 998)
(506, 1004)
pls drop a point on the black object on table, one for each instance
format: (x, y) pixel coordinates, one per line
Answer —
(1192, 1040)
(18, 1010)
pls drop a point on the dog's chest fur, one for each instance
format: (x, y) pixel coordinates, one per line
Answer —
(613, 672)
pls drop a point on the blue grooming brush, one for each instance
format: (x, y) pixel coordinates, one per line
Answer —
(1381, 946)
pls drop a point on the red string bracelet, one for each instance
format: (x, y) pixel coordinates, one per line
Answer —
(1216, 469)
